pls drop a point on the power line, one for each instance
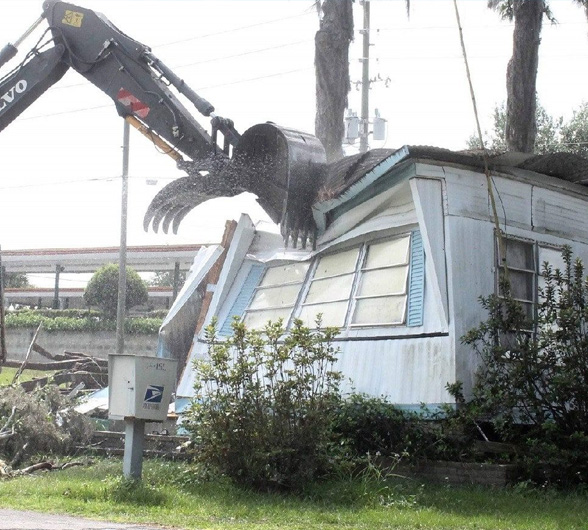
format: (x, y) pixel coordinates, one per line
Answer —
(232, 30)
(84, 181)
(411, 28)
(204, 61)
(260, 50)
(73, 111)
(60, 183)
(278, 74)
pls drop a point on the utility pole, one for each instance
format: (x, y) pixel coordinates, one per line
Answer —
(58, 270)
(365, 78)
(2, 320)
(122, 256)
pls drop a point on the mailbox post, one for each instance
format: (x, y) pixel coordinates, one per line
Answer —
(140, 389)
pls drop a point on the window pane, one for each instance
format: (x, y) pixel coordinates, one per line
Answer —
(388, 253)
(521, 285)
(384, 310)
(258, 319)
(333, 314)
(330, 289)
(383, 281)
(284, 295)
(528, 310)
(293, 272)
(340, 263)
(519, 254)
(553, 257)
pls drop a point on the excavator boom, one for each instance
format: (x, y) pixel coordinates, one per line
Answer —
(283, 167)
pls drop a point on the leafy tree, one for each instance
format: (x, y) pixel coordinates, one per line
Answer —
(265, 404)
(553, 134)
(166, 279)
(16, 280)
(548, 138)
(574, 133)
(102, 289)
(533, 381)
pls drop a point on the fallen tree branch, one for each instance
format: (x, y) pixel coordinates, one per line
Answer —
(24, 363)
(42, 351)
(19, 456)
(34, 467)
(4, 431)
(67, 465)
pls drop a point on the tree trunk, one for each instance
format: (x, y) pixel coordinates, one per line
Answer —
(332, 74)
(521, 76)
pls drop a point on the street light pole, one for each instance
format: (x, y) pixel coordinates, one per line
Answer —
(122, 257)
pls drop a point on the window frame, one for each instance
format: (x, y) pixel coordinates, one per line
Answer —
(536, 246)
(360, 268)
(261, 287)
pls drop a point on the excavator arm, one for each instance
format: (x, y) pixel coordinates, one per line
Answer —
(282, 167)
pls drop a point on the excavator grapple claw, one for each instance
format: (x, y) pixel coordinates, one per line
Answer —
(283, 167)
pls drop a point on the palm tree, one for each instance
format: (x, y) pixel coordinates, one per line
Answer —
(521, 73)
(584, 4)
(331, 61)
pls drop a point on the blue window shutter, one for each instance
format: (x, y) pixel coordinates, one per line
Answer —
(416, 287)
(243, 298)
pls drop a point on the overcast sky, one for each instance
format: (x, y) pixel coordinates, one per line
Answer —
(60, 162)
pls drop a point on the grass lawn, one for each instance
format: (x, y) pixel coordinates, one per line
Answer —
(8, 372)
(170, 496)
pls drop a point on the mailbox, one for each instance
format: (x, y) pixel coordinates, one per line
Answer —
(140, 386)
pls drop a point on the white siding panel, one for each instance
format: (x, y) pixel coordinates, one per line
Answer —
(560, 214)
(467, 194)
(408, 372)
(429, 207)
(471, 275)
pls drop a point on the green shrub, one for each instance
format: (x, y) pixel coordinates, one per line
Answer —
(102, 289)
(142, 325)
(369, 426)
(264, 405)
(533, 383)
(82, 321)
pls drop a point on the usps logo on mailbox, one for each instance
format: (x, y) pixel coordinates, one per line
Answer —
(153, 397)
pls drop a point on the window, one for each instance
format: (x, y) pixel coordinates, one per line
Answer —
(382, 289)
(363, 286)
(330, 288)
(522, 269)
(524, 260)
(378, 283)
(276, 295)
